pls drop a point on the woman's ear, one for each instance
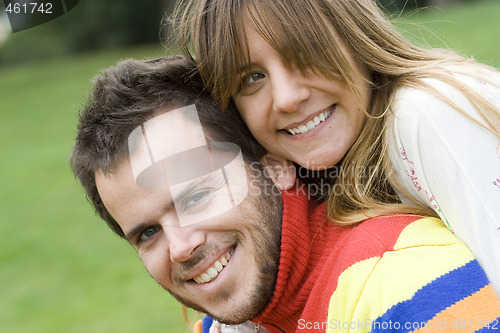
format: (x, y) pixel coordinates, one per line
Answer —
(280, 170)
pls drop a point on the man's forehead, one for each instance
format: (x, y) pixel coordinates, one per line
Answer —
(163, 137)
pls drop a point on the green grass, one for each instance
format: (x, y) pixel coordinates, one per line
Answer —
(61, 269)
(471, 29)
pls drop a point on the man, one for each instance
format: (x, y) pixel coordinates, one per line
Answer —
(212, 229)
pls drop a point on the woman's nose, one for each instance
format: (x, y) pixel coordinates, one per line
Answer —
(289, 89)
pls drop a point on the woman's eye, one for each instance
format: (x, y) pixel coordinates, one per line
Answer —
(148, 233)
(252, 78)
(249, 83)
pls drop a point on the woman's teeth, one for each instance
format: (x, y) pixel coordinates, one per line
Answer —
(213, 271)
(310, 124)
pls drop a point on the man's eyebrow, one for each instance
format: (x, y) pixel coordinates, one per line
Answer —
(192, 185)
(132, 234)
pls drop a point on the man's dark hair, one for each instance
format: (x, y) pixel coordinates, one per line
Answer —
(125, 96)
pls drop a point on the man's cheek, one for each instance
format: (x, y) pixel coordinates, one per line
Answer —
(158, 271)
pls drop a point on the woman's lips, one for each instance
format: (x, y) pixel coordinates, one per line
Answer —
(310, 124)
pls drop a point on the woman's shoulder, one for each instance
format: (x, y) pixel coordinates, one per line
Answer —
(439, 97)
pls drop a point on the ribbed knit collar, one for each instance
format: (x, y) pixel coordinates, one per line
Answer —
(306, 239)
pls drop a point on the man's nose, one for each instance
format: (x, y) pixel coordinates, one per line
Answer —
(183, 242)
(289, 89)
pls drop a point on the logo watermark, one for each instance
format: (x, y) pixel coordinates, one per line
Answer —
(205, 179)
(27, 14)
(443, 324)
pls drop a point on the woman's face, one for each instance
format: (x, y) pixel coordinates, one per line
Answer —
(311, 120)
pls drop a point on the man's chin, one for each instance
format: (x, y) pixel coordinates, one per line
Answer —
(236, 316)
(233, 316)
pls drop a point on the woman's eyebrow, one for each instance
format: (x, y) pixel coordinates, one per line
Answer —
(245, 68)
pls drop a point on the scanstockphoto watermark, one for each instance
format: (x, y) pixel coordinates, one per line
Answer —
(380, 325)
(367, 324)
(312, 183)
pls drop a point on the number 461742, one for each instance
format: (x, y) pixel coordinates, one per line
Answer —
(29, 8)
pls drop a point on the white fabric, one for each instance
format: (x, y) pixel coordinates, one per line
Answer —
(247, 327)
(448, 162)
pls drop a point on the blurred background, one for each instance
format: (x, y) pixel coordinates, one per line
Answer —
(61, 269)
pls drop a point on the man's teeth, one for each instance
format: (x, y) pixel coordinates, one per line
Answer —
(310, 124)
(213, 271)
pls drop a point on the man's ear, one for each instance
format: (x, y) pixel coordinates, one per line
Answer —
(280, 170)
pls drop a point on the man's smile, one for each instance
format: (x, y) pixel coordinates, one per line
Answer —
(211, 273)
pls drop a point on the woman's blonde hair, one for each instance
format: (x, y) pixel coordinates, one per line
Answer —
(213, 30)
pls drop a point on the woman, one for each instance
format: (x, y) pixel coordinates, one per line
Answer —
(331, 84)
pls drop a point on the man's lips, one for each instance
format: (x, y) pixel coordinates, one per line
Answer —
(310, 123)
(213, 271)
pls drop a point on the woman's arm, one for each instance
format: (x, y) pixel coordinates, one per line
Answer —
(451, 164)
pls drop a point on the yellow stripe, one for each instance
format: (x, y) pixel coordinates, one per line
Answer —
(367, 289)
(426, 231)
(404, 272)
(468, 315)
(346, 297)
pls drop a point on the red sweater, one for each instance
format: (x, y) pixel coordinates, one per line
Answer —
(331, 275)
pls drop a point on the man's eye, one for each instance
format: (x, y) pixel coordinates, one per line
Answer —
(196, 198)
(148, 233)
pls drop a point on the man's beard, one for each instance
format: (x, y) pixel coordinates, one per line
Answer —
(264, 213)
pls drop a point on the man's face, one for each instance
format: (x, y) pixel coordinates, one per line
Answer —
(225, 266)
